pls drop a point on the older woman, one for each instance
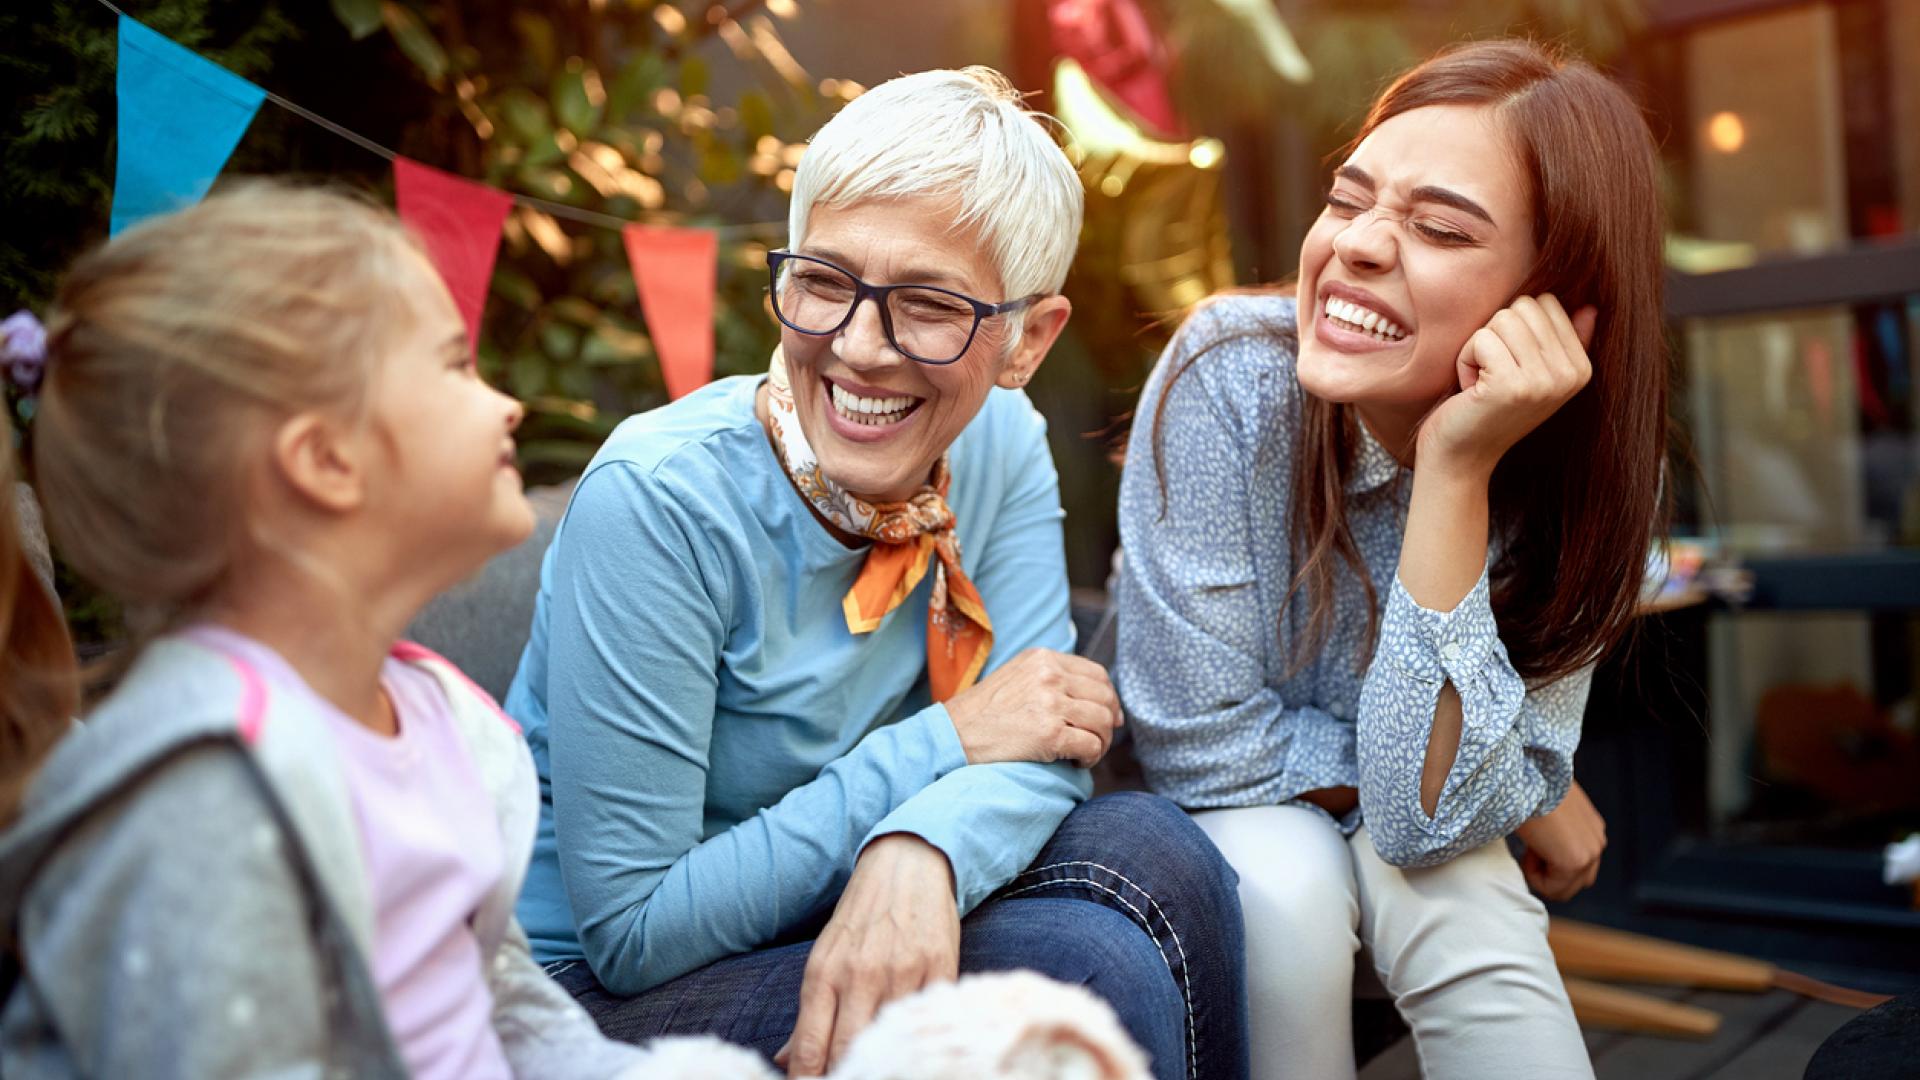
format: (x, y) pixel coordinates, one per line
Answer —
(799, 686)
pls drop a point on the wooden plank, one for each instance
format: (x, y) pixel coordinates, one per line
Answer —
(1599, 952)
(1598, 1005)
(1601, 1043)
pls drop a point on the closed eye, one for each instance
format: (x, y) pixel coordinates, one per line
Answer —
(1346, 207)
(1342, 205)
(1443, 236)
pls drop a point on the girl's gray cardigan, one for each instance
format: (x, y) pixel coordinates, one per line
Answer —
(183, 894)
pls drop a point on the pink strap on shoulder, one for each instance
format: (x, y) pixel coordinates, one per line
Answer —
(413, 652)
(253, 698)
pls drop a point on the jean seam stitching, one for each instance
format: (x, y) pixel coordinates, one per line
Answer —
(1186, 994)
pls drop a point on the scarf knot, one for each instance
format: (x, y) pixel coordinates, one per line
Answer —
(909, 537)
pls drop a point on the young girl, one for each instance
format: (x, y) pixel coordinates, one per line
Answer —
(1378, 528)
(286, 843)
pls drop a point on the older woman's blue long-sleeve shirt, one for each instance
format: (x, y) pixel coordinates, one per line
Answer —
(714, 746)
(1205, 632)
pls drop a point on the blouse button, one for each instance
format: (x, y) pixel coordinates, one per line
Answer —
(1450, 652)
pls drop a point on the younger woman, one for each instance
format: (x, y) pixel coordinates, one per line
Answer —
(285, 844)
(1378, 528)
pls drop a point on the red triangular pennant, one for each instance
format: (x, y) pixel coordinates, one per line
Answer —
(459, 222)
(674, 271)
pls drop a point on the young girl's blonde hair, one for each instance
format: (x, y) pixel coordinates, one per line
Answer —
(39, 694)
(171, 352)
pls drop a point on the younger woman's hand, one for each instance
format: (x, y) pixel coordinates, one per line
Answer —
(895, 930)
(1041, 706)
(1564, 846)
(1516, 371)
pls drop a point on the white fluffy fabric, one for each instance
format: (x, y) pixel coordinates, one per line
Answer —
(698, 1057)
(1012, 1025)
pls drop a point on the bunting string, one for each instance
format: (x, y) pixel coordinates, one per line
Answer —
(532, 202)
(181, 116)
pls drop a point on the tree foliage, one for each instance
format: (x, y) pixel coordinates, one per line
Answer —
(57, 67)
(612, 108)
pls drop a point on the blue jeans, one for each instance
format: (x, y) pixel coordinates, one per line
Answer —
(1129, 899)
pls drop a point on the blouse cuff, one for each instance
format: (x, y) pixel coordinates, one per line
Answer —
(1440, 646)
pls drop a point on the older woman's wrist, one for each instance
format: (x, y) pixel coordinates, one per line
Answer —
(912, 856)
(974, 742)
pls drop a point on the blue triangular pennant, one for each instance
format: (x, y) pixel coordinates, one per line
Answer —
(181, 115)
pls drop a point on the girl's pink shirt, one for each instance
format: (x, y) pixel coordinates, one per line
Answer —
(431, 842)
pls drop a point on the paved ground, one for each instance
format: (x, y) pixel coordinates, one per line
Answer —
(1762, 1037)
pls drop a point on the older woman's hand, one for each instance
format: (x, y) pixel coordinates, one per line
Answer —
(1041, 706)
(895, 930)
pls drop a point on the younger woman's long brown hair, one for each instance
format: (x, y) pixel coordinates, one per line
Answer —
(1573, 506)
(39, 690)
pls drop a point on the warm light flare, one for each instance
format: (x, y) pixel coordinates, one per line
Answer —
(1726, 132)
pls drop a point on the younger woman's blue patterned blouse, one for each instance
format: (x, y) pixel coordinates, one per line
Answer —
(1204, 637)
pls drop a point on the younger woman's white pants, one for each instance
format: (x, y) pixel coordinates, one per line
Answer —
(1461, 948)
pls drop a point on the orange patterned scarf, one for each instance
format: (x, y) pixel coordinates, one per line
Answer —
(908, 537)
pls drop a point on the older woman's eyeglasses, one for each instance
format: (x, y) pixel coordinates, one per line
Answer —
(922, 322)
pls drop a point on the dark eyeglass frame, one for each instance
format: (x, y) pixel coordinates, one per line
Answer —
(879, 294)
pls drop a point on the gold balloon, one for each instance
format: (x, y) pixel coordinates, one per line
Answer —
(1155, 241)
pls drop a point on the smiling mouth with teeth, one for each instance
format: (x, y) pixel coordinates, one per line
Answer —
(871, 411)
(1351, 316)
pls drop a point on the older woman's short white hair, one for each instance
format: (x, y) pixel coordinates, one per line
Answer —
(963, 134)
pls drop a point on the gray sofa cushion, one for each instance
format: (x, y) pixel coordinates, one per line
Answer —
(482, 623)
